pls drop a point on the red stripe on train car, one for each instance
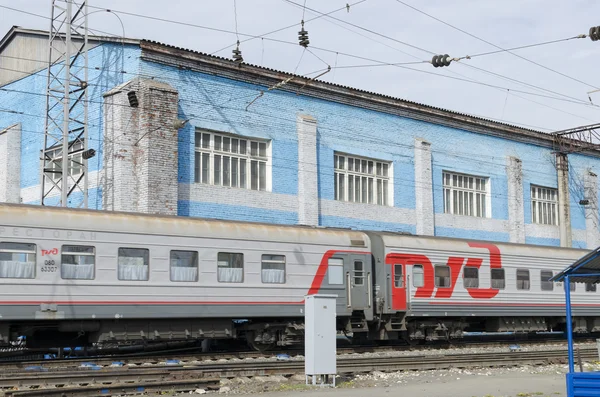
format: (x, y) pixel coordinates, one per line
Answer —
(513, 304)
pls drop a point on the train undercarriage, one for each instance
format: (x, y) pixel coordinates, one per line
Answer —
(264, 334)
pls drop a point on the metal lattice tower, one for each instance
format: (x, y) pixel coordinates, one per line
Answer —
(579, 139)
(66, 106)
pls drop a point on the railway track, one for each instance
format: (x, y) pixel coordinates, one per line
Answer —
(137, 379)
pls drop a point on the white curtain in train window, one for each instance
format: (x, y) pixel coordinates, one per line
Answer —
(230, 267)
(273, 269)
(184, 266)
(133, 264)
(17, 260)
(78, 262)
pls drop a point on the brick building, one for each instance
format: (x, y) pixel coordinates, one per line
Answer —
(308, 152)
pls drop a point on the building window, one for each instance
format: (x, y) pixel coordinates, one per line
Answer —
(545, 276)
(498, 280)
(442, 276)
(335, 271)
(53, 162)
(17, 260)
(471, 277)
(232, 161)
(522, 279)
(273, 269)
(418, 276)
(230, 268)
(544, 205)
(78, 262)
(184, 266)
(466, 195)
(134, 264)
(398, 279)
(361, 180)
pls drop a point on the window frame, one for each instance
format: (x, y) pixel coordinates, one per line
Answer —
(546, 282)
(229, 267)
(517, 279)
(396, 279)
(422, 272)
(498, 270)
(539, 205)
(62, 254)
(339, 264)
(14, 251)
(56, 157)
(197, 266)
(133, 248)
(435, 276)
(256, 152)
(375, 180)
(451, 191)
(476, 269)
(272, 261)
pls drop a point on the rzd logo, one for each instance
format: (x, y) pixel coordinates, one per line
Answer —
(53, 251)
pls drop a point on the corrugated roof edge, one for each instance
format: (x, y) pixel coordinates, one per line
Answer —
(257, 67)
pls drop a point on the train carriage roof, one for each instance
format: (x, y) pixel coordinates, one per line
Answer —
(18, 215)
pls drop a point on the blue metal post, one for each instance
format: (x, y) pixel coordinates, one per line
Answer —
(569, 324)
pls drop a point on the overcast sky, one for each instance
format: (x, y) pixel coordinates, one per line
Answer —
(505, 23)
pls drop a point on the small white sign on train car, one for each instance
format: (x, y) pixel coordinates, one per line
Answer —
(320, 340)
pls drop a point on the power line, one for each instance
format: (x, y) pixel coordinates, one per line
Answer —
(503, 49)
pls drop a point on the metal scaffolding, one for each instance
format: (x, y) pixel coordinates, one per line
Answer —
(66, 107)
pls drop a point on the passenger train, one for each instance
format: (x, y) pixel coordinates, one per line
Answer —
(108, 277)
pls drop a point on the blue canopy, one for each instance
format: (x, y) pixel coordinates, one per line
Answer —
(584, 270)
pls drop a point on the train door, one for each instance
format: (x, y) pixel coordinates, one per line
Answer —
(358, 280)
(398, 281)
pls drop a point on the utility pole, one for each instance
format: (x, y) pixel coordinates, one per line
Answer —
(65, 152)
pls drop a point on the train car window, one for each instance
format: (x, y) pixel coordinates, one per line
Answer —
(335, 271)
(134, 264)
(418, 277)
(545, 276)
(572, 286)
(77, 262)
(17, 260)
(398, 279)
(590, 287)
(523, 279)
(359, 273)
(442, 276)
(184, 266)
(230, 267)
(273, 269)
(498, 280)
(471, 277)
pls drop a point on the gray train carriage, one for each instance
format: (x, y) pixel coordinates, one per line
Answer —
(434, 288)
(76, 276)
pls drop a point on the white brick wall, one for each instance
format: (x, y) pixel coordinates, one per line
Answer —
(591, 210)
(10, 164)
(425, 217)
(516, 206)
(140, 155)
(308, 195)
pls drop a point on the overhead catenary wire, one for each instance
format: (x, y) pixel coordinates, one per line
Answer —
(331, 51)
(509, 50)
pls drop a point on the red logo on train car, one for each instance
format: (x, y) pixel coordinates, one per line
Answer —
(53, 251)
(455, 263)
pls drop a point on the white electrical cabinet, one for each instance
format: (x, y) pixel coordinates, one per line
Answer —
(320, 339)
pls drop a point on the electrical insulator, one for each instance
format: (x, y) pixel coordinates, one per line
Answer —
(595, 33)
(441, 60)
(303, 37)
(237, 54)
